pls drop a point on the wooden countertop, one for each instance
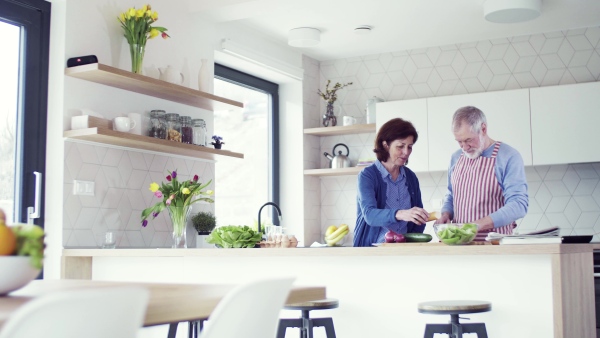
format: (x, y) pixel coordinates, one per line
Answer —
(400, 249)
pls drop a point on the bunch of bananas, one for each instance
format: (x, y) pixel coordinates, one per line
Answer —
(335, 234)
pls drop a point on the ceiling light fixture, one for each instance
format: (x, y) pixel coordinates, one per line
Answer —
(511, 11)
(362, 30)
(304, 37)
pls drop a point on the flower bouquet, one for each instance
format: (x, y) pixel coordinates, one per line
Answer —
(138, 28)
(330, 96)
(217, 141)
(178, 198)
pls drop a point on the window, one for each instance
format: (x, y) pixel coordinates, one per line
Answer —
(243, 186)
(25, 28)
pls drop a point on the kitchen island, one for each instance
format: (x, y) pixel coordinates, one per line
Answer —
(543, 290)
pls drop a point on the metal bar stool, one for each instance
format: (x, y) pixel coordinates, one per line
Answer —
(194, 328)
(454, 308)
(305, 323)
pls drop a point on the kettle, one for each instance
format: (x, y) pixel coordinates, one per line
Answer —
(339, 160)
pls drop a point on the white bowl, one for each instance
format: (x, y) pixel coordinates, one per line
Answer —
(15, 273)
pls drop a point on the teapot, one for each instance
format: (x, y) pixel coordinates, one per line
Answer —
(152, 72)
(170, 74)
(339, 160)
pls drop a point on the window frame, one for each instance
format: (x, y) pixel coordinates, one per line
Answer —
(272, 89)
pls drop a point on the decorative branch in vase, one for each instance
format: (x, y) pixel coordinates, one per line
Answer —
(330, 96)
(137, 27)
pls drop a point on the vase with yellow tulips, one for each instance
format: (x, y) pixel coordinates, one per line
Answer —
(177, 197)
(138, 28)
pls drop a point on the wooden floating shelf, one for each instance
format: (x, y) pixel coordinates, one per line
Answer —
(109, 136)
(333, 172)
(341, 130)
(118, 78)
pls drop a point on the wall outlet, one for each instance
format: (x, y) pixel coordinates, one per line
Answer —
(83, 188)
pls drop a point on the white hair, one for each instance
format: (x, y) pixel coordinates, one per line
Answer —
(470, 115)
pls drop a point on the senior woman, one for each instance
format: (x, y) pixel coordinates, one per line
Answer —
(389, 197)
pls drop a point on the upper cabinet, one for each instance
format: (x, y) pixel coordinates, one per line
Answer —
(414, 111)
(118, 78)
(565, 122)
(507, 114)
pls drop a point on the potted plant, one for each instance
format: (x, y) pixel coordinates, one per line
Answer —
(204, 223)
(217, 141)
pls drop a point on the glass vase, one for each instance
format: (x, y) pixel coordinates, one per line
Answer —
(137, 57)
(179, 216)
(329, 118)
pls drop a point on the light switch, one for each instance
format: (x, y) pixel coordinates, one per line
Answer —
(84, 188)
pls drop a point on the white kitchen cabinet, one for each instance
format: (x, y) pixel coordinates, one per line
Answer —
(565, 122)
(507, 114)
(414, 111)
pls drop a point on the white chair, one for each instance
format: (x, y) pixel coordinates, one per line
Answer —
(250, 310)
(99, 313)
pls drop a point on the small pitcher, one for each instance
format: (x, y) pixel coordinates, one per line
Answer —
(170, 74)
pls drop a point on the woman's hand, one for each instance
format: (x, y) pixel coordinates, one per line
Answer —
(415, 215)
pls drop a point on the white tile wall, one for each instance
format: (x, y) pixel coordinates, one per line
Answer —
(122, 179)
(563, 195)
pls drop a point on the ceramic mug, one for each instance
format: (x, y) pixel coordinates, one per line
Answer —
(348, 120)
(123, 124)
(136, 119)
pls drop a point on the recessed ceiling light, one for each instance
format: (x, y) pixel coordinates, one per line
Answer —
(361, 30)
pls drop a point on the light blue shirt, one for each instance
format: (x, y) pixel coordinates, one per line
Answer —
(397, 198)
(510, 173)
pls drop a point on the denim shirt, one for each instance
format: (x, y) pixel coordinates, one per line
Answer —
(371, 210)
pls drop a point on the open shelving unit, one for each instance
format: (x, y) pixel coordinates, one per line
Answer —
(333, 172)
(112, 137)
(341, 130)
(118, 78)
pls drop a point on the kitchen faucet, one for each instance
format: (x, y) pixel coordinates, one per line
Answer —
(264, 205)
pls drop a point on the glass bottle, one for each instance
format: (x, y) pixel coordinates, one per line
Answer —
(186, 129)
(199, 128)
(157, 127)
(173, 127)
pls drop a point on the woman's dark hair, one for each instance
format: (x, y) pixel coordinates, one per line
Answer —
(394, 129)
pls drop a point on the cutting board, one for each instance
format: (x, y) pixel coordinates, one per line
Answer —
(425, 244)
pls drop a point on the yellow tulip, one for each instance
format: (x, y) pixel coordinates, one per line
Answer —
(154, 186)
(154, 33)
(131, 13)
(154, 16)
(145, 8)
(140, 13)
(122, 17)
(185, 191)
(209, 192)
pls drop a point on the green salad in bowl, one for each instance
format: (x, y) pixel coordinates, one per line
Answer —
(234, 236)
(456, 233)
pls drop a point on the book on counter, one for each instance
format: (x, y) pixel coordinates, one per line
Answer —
(543, 236)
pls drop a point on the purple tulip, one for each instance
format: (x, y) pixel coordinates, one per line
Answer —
(174, 174)
(144, 223)
(154, 214)
(195, 178)
(169, 178)
(158, 194)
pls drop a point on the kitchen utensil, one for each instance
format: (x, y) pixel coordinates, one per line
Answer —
(339, 160)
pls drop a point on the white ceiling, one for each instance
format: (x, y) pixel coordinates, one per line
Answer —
(397, 24)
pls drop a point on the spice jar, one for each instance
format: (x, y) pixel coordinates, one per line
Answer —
(186, 129)
(173, 127)
(157, 127)
(199, 129)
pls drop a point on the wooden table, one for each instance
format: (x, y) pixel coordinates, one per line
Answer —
(169, 303)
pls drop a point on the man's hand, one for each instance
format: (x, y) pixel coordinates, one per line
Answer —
(445, 218)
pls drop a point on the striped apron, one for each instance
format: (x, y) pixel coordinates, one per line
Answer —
(477, 192)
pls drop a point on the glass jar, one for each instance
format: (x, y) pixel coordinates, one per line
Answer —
(158, 124)
(173, 127)
(199, 129)
(186, 129)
